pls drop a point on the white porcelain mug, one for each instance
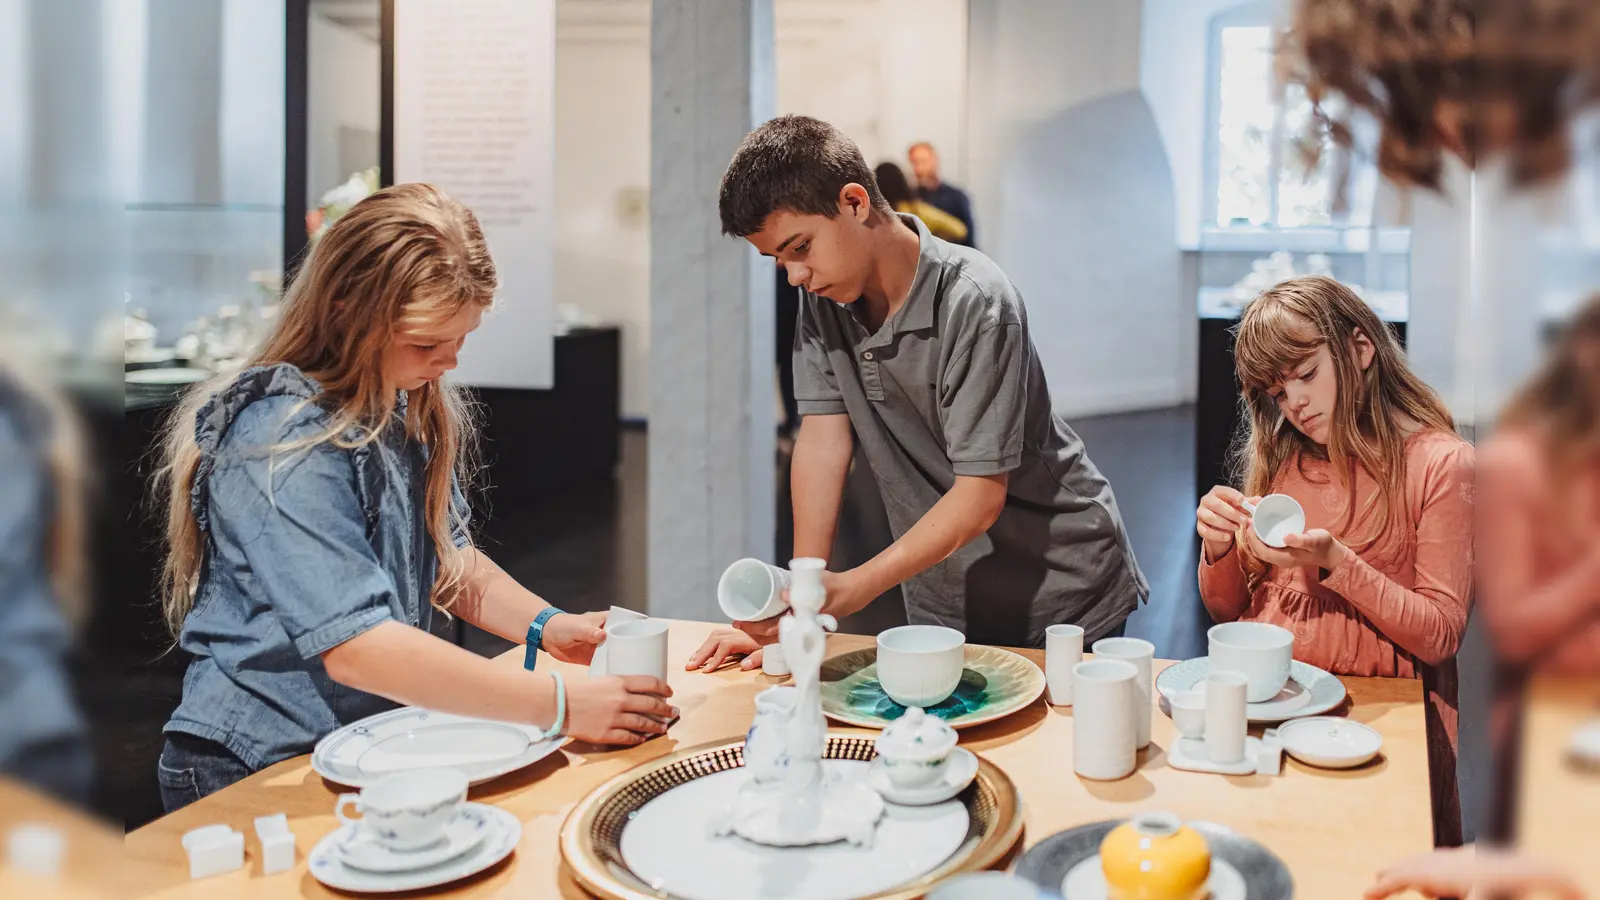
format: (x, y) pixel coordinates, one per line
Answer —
(751, 590)
(407, 810)
(1259, 651)
(1063, 649)
(637, 648)
(920, 665)
(1103, 732)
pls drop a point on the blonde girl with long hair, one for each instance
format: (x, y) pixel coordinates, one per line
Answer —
(315, 520)
(1380, 582)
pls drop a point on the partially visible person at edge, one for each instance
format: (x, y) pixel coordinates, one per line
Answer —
(1539, 536)
(895, 189)
(936, 191)
(44, 741)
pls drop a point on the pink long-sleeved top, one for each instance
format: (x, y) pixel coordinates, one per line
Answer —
(1388, 610)
(1384, 611)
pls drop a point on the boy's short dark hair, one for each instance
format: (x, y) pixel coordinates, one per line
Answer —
(792, 162)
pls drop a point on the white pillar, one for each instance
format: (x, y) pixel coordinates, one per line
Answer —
(712, 417)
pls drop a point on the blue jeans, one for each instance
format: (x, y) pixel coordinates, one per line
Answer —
(191, 767)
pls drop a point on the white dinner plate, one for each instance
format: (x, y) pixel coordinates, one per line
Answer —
(166, 376)
(328, 867)
(1311, 691)
(411, 738)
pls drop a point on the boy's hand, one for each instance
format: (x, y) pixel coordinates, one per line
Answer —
(723, 644)
(572, 638)
(845, 594)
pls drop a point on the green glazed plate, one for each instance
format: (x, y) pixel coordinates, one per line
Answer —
(994, 683)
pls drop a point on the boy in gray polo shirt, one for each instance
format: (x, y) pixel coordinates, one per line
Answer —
(919, 349)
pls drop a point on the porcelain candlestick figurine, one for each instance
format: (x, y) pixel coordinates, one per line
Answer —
(791, 799)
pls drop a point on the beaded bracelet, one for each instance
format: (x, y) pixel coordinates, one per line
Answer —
(561, 709)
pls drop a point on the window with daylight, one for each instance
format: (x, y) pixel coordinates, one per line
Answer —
(1258, 177)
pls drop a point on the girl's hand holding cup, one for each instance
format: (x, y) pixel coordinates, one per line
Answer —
(1221, 514)
(618, 709)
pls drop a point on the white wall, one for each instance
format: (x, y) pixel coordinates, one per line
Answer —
(887, 72)
(345, 75)
(1072, 188)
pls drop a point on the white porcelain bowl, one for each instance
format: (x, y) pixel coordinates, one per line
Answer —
(920, 665)
(1329, 742)
(1257, 650)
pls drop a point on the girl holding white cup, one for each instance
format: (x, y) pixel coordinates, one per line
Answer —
(1378, 580)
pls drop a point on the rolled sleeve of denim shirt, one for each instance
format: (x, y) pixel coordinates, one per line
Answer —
(985, 402)
(297, 519)
(816, 389)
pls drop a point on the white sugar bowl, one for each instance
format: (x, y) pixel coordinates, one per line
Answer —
(915, 748)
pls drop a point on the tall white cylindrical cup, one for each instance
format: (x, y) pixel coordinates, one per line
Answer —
(1142, 654)
(1103, 732)
(1063, 649)
(637, 648)
(1225, 716)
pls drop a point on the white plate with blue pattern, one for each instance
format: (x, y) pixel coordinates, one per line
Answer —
(410, 738)
(327, 865)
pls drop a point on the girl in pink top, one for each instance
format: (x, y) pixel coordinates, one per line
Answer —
(1380, 582)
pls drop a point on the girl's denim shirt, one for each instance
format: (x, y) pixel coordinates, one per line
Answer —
(304, 549)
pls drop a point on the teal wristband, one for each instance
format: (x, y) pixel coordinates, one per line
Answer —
(535, 640)
(561, 709)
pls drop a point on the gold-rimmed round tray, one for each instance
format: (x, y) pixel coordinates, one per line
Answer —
(592, 836)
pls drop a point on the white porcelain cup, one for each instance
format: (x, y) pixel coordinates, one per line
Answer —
(637, 648)
(1189, 712)
(1259, 651)
(1063, 649)
(751, 590)
(772, 661)
(985, 886)
(1103, 732)
(920, 665)
(407, 810)
(1275, 517)
(1225, 717)
(1142, 654)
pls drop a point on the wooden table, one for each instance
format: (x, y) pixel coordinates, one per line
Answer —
(1333, 829)
(90, 866)
(1558, 816)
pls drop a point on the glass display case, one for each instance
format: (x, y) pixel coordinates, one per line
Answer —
(1374, 262)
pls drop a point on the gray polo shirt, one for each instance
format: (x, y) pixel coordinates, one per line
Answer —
(951, 385)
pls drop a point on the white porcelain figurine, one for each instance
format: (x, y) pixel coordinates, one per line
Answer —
(790, 798)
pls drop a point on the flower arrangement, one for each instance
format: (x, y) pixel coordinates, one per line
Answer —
(337, 201)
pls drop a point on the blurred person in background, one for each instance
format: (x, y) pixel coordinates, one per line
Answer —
(937, 192)
(1476, 79)
(43, 739)
(895, 189)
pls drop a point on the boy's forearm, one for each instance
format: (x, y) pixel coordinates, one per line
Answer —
(817, 474)
(968, 510)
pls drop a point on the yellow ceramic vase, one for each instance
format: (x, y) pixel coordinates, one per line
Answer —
(1154, 856)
